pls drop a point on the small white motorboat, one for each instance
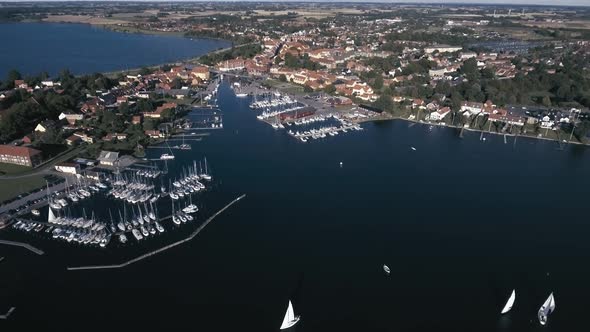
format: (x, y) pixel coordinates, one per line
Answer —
(386, 269)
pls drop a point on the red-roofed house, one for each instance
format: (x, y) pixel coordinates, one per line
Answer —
(20, 155)
(154, 134)
(136, 119)
(440, 114)
(73, 140)
(200, 72)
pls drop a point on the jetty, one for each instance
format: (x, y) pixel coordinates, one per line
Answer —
(8, 313)
(23, 245)
(157, 251)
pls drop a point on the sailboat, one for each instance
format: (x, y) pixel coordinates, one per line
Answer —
(386, 269)
(510, 302)
(205, 175)
(175, 218)
(51, 217)
(547, 308)
(184, 146)
(290, 318)
(166, 156)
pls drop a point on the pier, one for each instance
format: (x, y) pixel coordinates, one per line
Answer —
(8, 313)
(23, 245)
(157, 251)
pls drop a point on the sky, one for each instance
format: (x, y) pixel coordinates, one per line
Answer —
(510, 2)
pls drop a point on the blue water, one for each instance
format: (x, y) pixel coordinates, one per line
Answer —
(35, 47)
(461, 222)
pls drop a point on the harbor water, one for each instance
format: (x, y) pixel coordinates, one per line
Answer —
(86, 49)
(459, 221)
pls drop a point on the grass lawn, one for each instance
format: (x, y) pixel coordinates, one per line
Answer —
(13, 187)
(13, 169)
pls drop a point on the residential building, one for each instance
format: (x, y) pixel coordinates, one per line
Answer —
(442, 49)
(108, 158)
(439, 114)
(73, 140)
(69, 168)
(20, 155)
(154, 134)
(84, 137)
(136, 119)
(473, 108)
(201, 72)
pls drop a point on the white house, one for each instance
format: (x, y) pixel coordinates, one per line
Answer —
(50, 83)
(442, 49)
(547, 123)
(440, 114)
(68, 168)
(472, 108)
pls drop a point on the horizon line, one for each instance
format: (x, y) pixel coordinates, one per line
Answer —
(485, 3)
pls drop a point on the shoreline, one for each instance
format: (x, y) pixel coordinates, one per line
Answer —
(397, 118)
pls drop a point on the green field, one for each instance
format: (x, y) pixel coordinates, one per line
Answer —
(13, 169)
(14, 187)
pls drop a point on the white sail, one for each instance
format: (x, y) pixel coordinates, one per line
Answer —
(290, 318)
(552, 303)
(510, 302)
(51, 217)
(547, 308)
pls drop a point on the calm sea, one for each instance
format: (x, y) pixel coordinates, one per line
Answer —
(32, 48)
(460, 222)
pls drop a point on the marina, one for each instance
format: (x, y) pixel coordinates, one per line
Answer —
(157, 251)
(133, 194)
(307, 120)
(253, 260)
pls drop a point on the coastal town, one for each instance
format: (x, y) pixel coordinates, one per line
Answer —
(450, 69)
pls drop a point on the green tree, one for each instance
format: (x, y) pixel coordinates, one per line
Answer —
(10, 78)
(378, 83)
(384, 103)
(145, 105)
(469, 70)
(149, 124)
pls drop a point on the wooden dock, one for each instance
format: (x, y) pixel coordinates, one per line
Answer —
(8, 313)
(23, 245)
(157, 251)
